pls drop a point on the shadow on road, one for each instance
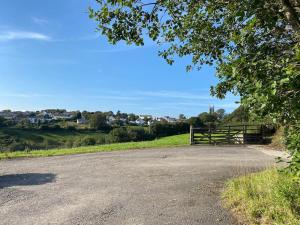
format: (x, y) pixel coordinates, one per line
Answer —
(26, 179)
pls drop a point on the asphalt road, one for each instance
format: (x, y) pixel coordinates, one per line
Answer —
(176, 186)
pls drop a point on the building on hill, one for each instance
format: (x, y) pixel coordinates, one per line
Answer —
(110, 119)
(33, 120)
(170, 119)
(140, 122)
(82, 120)
(146, 117)
(64, 116)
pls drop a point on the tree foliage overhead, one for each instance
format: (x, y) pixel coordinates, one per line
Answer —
(252, 42)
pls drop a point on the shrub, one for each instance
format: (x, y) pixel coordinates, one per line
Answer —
(88, 141)
(101, 139)
(293, 145)
(119, 135)
(83, 141)
(69, 143)
(6, 140)
(56, 127)
(71, 128)
(125, 134)
(138, 134)
(47, 127)
(47, 143)
(167, 129)
(17, 146)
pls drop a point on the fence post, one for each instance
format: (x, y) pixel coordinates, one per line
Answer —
(244, 133)
(262, 134)
(209, 133)
(228, 135)
(191, 135)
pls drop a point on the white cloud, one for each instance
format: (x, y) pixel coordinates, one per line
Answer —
(113, 97)
(22, 35)
(25, 95)
(40, 21)
(174, 94)
(184, 97)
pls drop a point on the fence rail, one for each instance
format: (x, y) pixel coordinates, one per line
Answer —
(231, 134)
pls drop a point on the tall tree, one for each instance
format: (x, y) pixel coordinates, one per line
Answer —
(182, 117)
(220, 114)
(2, 121)
(98, 121)
(252, 42)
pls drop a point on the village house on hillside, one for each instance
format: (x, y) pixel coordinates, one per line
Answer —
(140, 122)
(110, 119)
(82, 120)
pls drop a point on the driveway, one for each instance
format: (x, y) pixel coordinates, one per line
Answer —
(175, 186)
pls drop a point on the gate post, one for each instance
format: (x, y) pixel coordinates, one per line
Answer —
(228, 135)
(191, 134)
(209, 134)
(262, 134)
(244, 134)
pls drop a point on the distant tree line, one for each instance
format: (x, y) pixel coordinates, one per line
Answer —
(100, 132)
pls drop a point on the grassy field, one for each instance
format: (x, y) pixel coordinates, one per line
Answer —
(268, 197)
(45, 138)
(177, 140)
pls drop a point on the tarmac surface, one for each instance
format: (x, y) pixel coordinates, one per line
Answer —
(174, 186)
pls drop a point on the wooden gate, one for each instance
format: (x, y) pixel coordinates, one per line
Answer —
(231, 134)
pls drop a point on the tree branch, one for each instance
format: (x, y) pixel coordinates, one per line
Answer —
(291, 15)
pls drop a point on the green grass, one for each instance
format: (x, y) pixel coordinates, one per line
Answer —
(36, 135)
(177, 140)
(268, 197)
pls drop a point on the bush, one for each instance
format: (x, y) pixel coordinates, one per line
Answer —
(71, 128)
(167, 129)
(278, 139)
(125, 134)
(196, 122)
(101, 139)
(88, 141)
(6, 140)
(50, 128)
(118, 135)
(2, 121)
(47, 143)
(139, 134)
(56, 127)
(17, 147)
(69, 143)
(98, 121)
(293, 146)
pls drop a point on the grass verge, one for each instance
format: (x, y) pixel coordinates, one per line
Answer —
(268, 197)
(176, 140)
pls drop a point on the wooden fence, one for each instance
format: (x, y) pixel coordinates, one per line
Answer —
(231, 134)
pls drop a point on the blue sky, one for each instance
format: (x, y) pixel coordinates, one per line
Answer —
(51, 57)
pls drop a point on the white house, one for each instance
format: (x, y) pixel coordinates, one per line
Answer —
(33, 120)
(64, 116)
(170, 119)
(110, 119)
(82, 120)
(143, 117)
(140, 122)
